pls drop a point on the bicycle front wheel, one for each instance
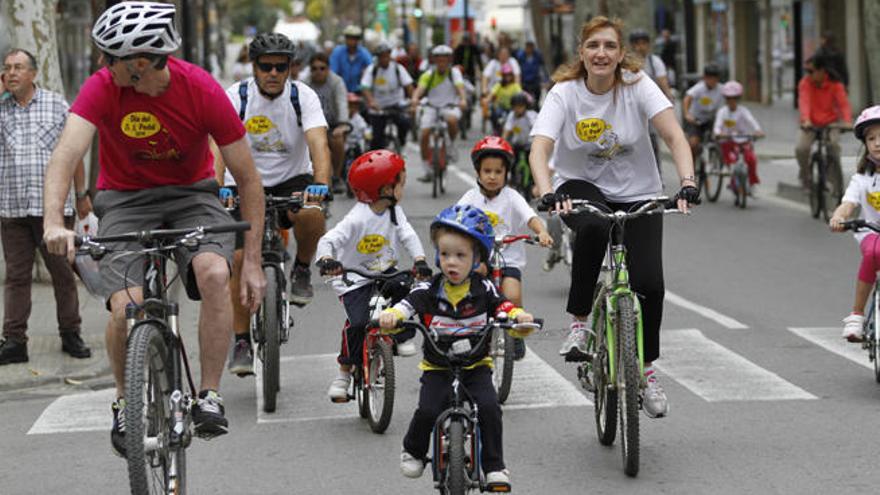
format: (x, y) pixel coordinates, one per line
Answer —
(435, 168)
(502, 363)
(628, 384)
(270, 348)
(456, 467)
(714, 180)
(154, 466)
(740, 186)
(831, 190)
(605, 397)
(817, 186)
(380, 392)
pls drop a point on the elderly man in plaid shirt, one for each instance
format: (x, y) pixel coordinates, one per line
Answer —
(31, 120)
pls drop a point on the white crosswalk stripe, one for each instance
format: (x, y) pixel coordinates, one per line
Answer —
(88, 411)
(829, 338)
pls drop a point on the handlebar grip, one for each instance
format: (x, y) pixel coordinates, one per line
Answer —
(229, 227)
(77, 241)
(539, 321)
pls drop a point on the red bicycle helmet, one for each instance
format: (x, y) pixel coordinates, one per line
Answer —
(492, 145)
(372, 170)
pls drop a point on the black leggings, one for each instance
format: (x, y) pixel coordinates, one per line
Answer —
(644, 247)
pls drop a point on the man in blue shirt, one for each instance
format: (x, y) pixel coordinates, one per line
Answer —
(533, 71)
(351, 59)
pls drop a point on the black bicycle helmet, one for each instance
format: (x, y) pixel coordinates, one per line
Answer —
(639, 35)
(519, 99)
(712, 69)
(271, 44)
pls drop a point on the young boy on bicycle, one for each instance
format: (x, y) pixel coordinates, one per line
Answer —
(369, 237)
(863, 193)
(455, 298)
(732, 123)
(519, 122)
(508, 212)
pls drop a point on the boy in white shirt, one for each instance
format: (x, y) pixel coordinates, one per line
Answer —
(358, 134)
(369, 237)
(732, 124)
(508, 212)
(519, 122)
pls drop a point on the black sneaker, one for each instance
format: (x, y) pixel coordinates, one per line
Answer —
(301, 292)
(117, 433)
(13, 352)
(208, 415)
(241, 362)
(72, 343)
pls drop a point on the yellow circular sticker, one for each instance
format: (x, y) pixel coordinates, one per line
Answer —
(259, 124)
(729, 123)
(140, 125)
(705, 101)
(380, 81)
(516, 130)
(589, 130)
(874, 200)
(370, 244)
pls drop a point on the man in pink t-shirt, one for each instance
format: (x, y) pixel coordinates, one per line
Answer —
(155, 116)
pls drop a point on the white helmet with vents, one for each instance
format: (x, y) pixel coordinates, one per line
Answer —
(128, 28)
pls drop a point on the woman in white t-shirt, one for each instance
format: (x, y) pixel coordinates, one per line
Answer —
(593, 125)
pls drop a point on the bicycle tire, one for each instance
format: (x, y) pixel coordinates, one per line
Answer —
(435, 168)
(700, 166)
(714, 173)
(605, 396)
(456, 466)
(873, 339)
(358, 384)
(271, 345)
(816, 181)
(628, 383)
(831, 191)
(381, 386)
(741, 188)
(502, 367)
(147, 393)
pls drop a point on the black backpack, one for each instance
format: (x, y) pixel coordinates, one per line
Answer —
(294, 100)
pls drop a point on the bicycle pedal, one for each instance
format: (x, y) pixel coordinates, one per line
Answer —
(340, 400)
(498, 488)
(577, 358)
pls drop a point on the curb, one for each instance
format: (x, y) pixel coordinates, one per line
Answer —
(40, 381)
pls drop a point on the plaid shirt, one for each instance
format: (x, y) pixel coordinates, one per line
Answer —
(28, 135)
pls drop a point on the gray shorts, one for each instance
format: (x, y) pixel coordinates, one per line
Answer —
(172, 207)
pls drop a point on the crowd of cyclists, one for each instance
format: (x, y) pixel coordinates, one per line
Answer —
(166, 129)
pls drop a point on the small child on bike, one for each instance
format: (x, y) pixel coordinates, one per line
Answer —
(456, 298)
(518, 124)
(500, 95)
(863, 193)
(369, 237)
(732, 123)
(508, 211)
(358, 135)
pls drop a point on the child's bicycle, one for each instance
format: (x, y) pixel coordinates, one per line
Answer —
(613, 370)
(440, 149)
(158, 406)
(710, 169)
(503, 347)
(738, 171)
(456, 443)
(871, 340)
(373, 382)
(521, 173)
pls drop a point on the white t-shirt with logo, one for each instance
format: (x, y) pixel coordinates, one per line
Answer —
(492, 71)
(509, 214)
(705, 102)
(368, 240)
(520, 127)
(277, 143)
(739, 121)
(654, 66)
(388, 86)
(441, 90)
(864, 190)
(602, 141)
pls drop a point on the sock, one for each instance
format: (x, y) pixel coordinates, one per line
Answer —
(246, 336)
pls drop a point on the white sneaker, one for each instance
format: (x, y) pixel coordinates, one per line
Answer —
(407, 348)
(575, 345)
(852, 328)
(654, 399)
(338, 391)
(498, 479)
(410, 466)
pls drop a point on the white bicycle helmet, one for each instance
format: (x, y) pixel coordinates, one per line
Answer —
(128, 28)
(441, 50)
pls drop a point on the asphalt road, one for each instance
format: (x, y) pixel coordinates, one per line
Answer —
(765, 398)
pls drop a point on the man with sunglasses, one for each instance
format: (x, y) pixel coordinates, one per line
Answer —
(333, 94)
(155, 116)
(287, 134)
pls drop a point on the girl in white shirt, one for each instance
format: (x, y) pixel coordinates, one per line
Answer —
(863, 193)
(737, 121)
(594, 126)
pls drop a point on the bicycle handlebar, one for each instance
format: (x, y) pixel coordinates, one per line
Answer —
(510, 239)
(149, 236)
(661, 205)
(371, 275)
(858, 224)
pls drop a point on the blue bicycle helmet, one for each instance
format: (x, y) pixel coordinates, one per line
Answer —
(470, 221)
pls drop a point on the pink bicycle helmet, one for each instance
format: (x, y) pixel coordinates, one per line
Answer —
(867, 118)
(506, 69)
(732, 89)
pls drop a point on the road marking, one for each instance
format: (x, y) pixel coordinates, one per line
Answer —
(705, 312)
(536, 384)
(88, 411)
(829, 338)
(716, 373)
(465, 177)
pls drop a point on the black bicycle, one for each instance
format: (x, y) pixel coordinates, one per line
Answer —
(710, 169)
(158, 405)
(389, 117)
(456, 442)
(826, 177)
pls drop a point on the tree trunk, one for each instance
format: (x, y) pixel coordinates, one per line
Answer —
(31, 26)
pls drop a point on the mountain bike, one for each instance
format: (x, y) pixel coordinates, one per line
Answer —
(709, 167)
(158, 405)
(738, 171)
(373, 382)
(439, 142)
(614, 368)
(826, 177)
(502, 346)
(871, 341)
(521, 172)
(456, 450)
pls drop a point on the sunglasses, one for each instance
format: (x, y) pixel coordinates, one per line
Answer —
(316, 68)
(282, 67)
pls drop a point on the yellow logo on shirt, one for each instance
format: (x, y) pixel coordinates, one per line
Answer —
(516, 130)
(493, 217)
(705, 101)
(589, 130)
(259, 124)
(140, 125)
(874, 200)
(380, 81)
(729, 123)
(371, 244)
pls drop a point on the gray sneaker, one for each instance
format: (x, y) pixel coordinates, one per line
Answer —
(241, 359)
(575, 346)
(654, 399)
(301, 292)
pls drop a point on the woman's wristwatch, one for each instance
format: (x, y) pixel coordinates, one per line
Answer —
(82, 194)
(688, 178)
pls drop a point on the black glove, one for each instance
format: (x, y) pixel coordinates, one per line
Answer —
(421, 269)
(689, 193)
(329, 266)
(549, 200)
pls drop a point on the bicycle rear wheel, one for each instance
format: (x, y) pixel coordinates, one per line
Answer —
(628, 383)
(502, 363)
(379, 394)
(270, 348)
(153, 465)
(605, 397)
(714, 180)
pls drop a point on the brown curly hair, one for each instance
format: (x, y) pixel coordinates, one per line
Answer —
(576, 69)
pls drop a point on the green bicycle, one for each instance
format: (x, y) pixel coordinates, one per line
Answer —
(521, 172)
